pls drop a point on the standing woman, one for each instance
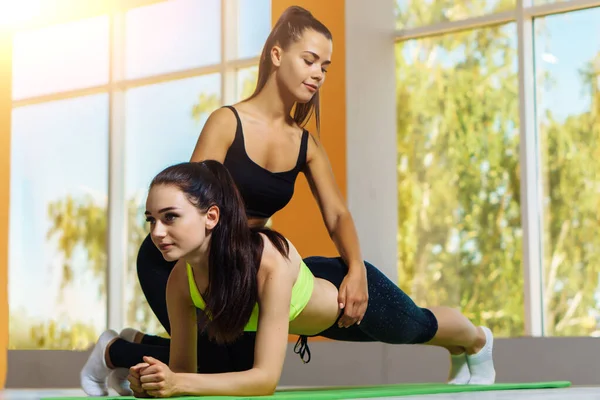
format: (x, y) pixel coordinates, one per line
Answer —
(264, 146)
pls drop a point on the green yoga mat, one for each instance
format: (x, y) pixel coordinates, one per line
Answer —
(354, 392)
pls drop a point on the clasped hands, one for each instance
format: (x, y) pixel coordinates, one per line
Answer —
(152, 378)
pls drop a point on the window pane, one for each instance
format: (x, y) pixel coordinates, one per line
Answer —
(414, 13)
(458, 157)
(568, 106)
(246, 82)
(163, 122)
(171, 36)
(254, 25)
(58, 194)
(61, 57)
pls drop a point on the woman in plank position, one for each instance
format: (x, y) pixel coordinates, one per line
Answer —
(230, 278)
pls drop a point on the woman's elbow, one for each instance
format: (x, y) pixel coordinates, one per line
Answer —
(267, 390)
(333, 222)
(268, 384)
(270, 390)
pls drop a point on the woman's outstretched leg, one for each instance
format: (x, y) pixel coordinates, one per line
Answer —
(393, 317)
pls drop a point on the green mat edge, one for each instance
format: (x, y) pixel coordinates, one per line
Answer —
(351, 392)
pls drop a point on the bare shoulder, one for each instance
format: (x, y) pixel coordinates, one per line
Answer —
(216, 137)
(273, 263)
(177, 284)
(221, 121)
(179, 270)
(271, 257)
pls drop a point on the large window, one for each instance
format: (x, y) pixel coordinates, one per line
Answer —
(458, 147)
(475, 133)
(74, 121)
(568, 110)
(156, 115)
(59, 183)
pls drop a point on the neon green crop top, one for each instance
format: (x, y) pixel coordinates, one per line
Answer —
(301, 292)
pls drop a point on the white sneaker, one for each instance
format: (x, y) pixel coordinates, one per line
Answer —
(117, 379)
(95, 371)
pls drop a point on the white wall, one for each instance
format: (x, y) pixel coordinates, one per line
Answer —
(371, 129)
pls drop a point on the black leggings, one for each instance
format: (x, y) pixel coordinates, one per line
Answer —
(391, 316)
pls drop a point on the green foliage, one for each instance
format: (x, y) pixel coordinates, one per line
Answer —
(571, 150)
(458, 145)
(249, 83)
(138, 313)
(50, 334)
(82, 223)
(460, 236)
(209, 102)
(206, 103)
(79, 223)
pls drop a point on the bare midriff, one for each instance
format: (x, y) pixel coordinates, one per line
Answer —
(320, 313)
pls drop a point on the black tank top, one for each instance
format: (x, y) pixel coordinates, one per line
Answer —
(264, 192)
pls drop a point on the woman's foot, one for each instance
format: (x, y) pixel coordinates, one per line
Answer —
(117, 379)
(459, 370)
(481, 363)
(95, 371)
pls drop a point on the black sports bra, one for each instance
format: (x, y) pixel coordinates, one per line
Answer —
(264, 192)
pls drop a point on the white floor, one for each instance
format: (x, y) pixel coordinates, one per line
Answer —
(573, 393)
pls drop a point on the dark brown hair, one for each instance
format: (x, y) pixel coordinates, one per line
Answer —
(288, 29)
(235, 249)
